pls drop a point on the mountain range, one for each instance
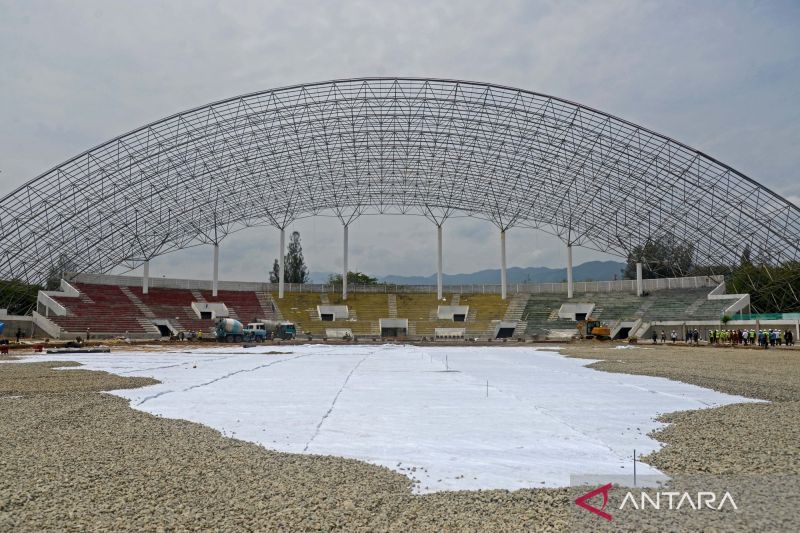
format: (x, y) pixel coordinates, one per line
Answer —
(589, 271)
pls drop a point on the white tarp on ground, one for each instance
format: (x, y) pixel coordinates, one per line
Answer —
(545, 416)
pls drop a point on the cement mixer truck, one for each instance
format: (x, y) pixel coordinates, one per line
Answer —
(280, 329)
(231, 330)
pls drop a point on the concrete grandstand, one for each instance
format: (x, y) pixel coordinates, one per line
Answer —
(116, 306)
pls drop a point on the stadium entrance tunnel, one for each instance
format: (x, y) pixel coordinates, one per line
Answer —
(394, 327)
(623, 333)
(505, 330)
(348, 148)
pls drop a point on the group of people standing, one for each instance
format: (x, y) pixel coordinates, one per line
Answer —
(764, 338)
(692, 336)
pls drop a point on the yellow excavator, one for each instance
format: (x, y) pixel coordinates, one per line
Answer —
(591, 328)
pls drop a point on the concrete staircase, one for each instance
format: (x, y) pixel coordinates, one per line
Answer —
(392, 306)
(313, 315)
(82, 296)
(692, 309)
(140, 305)
(148, 326)
(516, 308)
(490, 330)
(644, 308)
(198, 296)
(268, 306)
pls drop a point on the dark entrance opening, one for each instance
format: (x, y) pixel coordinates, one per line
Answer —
(505, 333)
(580, 316)
(205, 315)
(623, 333)
(459, 318)
(326, 317)
(164, 330)
(393, 332)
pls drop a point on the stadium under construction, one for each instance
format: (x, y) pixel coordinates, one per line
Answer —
(361, 147)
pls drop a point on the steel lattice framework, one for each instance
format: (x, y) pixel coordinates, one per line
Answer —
(347, 148)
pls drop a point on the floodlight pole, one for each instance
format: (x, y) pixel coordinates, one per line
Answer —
(344, 264)
(503, 275)
(569, 271)
(146, 277)
(215, 272)
(281, 265)
(439, 263)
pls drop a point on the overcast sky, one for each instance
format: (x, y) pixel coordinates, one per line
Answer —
(722, 77)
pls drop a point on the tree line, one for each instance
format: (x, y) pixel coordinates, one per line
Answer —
(772, 288)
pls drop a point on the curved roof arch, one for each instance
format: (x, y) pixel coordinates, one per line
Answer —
(431, 147)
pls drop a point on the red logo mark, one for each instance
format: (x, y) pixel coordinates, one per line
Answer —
(589, 495)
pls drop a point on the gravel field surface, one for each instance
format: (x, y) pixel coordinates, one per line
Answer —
(757, 438)
(78, 460)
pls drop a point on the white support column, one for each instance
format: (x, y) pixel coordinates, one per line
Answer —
(439, 263)
(639, 289)
(344, 265)
(215, 271)
(146, 277)
(281, 266)
(569, 271)
(503, 277)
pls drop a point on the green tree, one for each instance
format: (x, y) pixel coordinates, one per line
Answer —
(275, 273)
(772, 288)
(294, 267)
(661, 257)
(353, 278)
(18, 297)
